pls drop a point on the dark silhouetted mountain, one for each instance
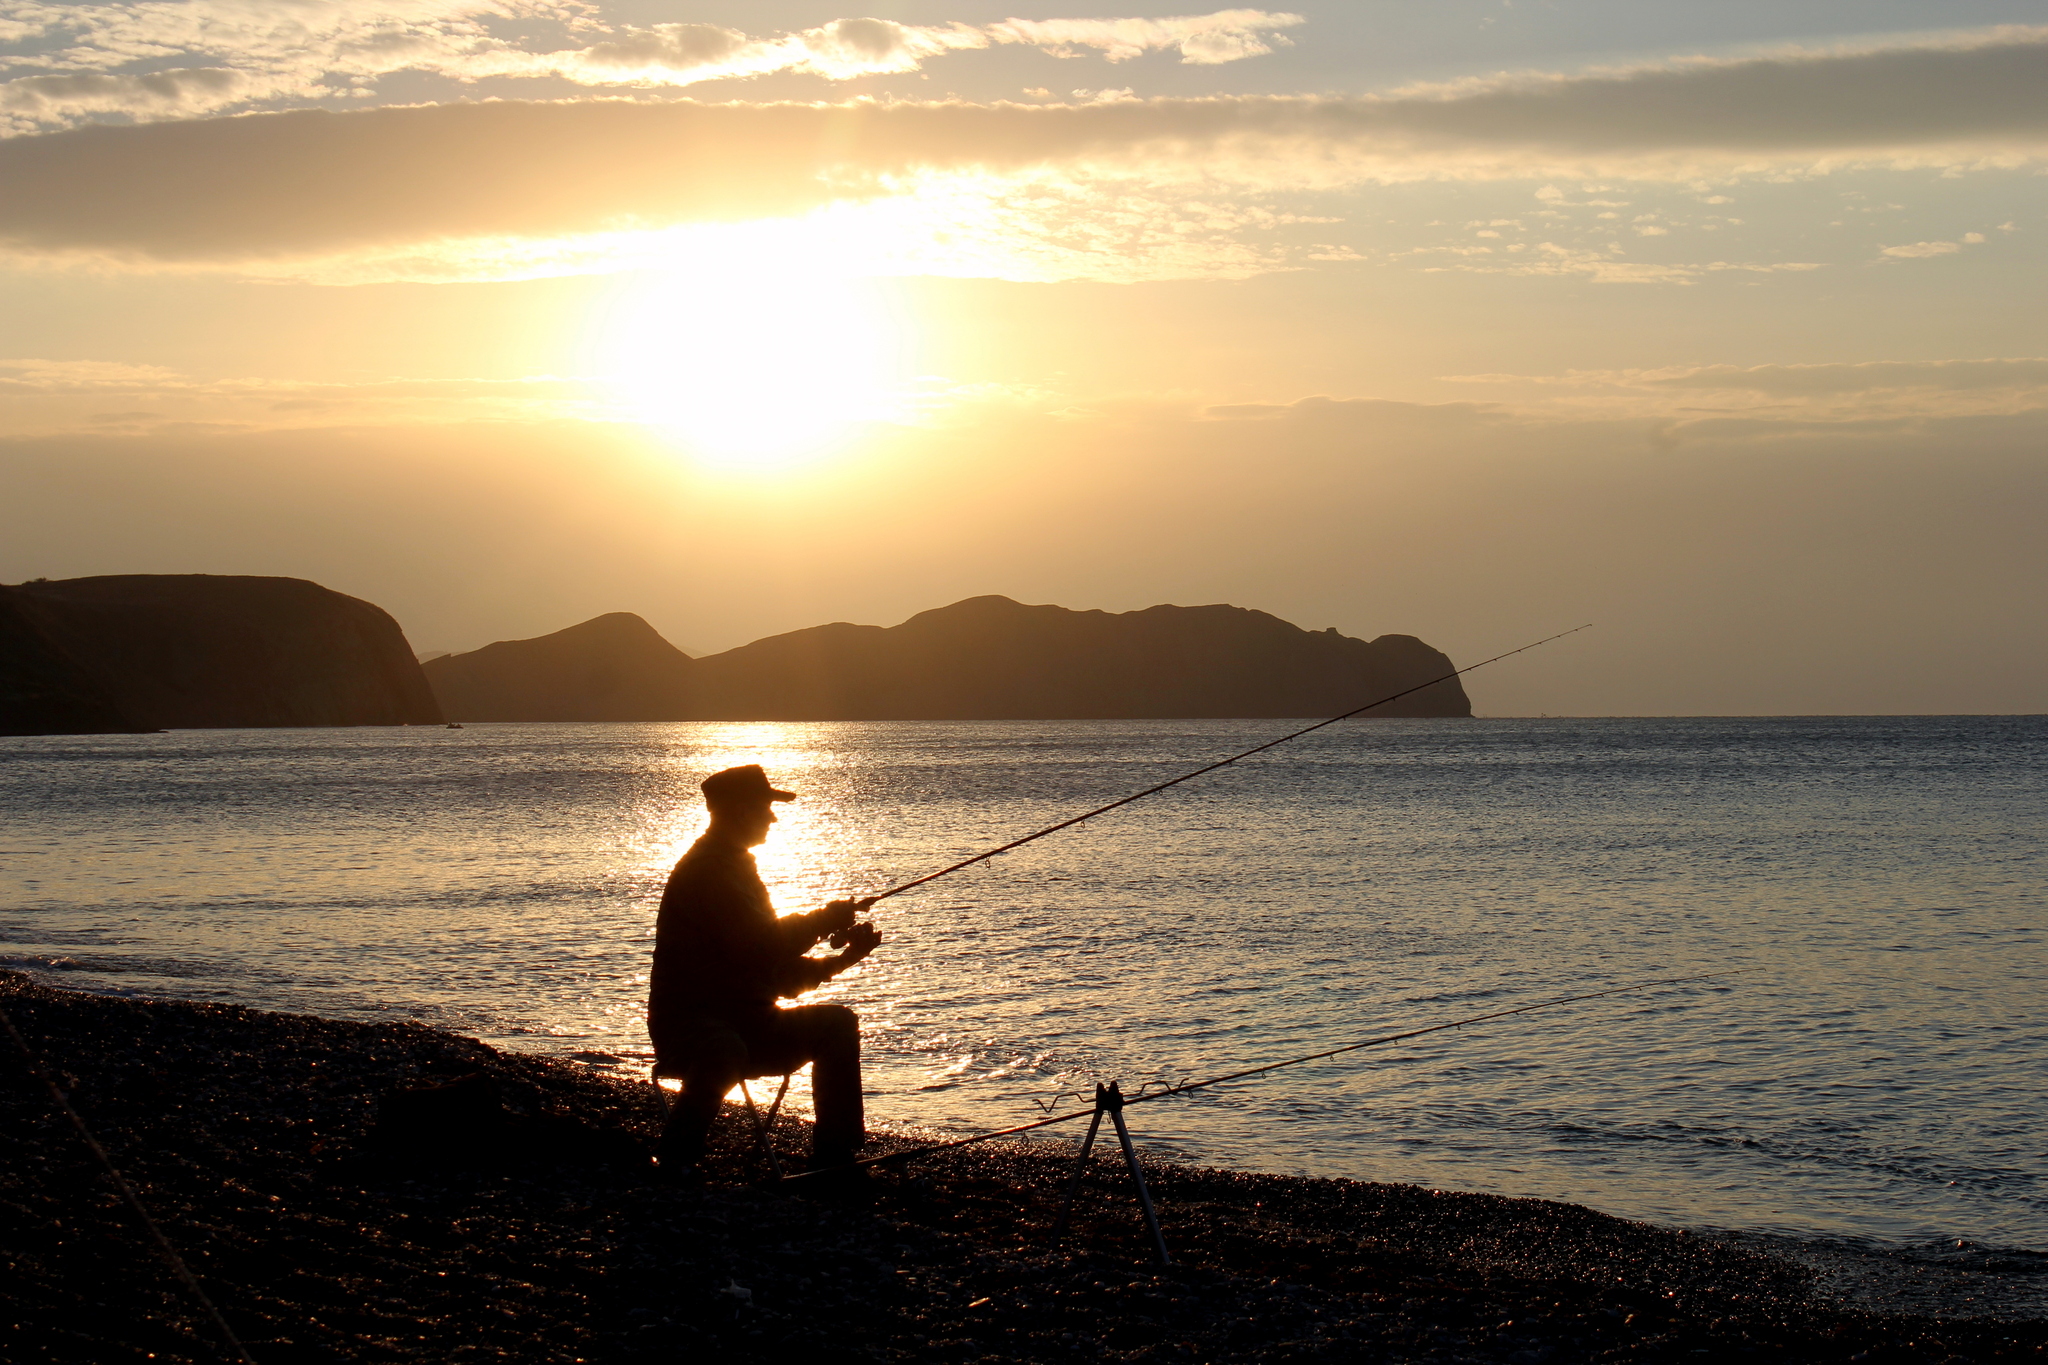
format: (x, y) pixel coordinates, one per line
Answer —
(987, 658)
(199, 651)
(614, 667)
(44, 691)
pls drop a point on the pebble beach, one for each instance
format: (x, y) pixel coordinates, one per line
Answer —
(256, 1142)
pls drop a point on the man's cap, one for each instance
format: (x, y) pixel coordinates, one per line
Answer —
(742, 784)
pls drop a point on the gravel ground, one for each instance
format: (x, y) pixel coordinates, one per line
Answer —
(533, 1233)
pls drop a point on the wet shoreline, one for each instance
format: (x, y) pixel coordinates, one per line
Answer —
(251, 1136)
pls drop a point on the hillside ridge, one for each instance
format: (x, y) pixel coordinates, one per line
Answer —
(140, 652)
(982, 658)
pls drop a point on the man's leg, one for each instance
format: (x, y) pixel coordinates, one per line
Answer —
(714, 1061)
(828, 1036)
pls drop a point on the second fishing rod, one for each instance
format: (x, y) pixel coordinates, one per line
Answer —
(1244, 1073)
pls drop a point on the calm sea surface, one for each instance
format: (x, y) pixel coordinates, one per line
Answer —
(1879, 1074)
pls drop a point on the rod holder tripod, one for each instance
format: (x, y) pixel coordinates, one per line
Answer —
(1109, 1099)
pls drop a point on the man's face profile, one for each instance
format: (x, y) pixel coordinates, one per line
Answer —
(747, 820)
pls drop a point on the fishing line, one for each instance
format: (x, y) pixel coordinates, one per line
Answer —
(1168, 1093)
(1212, 767)
(127, 1191)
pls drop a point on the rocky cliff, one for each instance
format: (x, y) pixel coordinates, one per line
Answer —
(199, 651)
(44, 691)
(987, 658)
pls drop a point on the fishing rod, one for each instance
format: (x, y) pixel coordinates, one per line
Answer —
(1171, 1091)
(1210, 768)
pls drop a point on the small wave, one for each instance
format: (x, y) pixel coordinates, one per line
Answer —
(1950, 1279)
(59, 964)
(1962, 1254)
(1841, 1154)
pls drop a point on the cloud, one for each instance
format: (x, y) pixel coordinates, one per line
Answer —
(1915, 249)
(39, 396)
(1681, 402)
(308, 50)
(685, 54)
(1919, 250)
(1322, 410)
(689, 54)
(322, 48)
(30, 375)
(1202, 40)
(310, 182)
(178, 92)
(1830, 395)
(672, 47)
(1986, 86)
(1605, 266)
(1997, 389)
(2028, 372)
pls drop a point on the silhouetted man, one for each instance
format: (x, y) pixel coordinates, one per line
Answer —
(722, 959)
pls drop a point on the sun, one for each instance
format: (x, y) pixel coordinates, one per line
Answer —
(751, 359)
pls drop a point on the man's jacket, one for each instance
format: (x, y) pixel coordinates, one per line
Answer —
(719, 949)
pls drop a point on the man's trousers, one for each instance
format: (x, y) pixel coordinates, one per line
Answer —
(714, 1053)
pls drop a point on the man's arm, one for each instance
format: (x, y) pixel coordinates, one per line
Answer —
(801, 933)
(808, 973)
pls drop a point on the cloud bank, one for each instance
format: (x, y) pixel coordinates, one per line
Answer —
(319, 49)
(2025, 372)
(205, 55)
(313, 182)
(1672, 404)
(687, 54)
(177, 92)
(1812, 396)
(41, 397)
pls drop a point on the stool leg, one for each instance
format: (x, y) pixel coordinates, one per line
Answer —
(761, 1129)
(661, 1100)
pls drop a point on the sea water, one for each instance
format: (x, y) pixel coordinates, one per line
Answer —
(1874, 1074)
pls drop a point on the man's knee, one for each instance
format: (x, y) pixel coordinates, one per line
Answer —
(824, 1029)
(836, 1026)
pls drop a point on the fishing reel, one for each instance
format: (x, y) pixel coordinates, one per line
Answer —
(839, 938)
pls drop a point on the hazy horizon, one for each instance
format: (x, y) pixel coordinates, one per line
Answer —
(1719, 327)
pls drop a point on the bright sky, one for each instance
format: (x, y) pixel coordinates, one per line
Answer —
(1721, 326)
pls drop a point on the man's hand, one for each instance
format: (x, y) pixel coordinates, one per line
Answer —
(839, 915)
(859, 941)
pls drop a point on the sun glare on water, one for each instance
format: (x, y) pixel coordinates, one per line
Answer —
(750, 362)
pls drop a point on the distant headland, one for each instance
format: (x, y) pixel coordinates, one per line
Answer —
(987, 658)
(141, 652)
(144, 652)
